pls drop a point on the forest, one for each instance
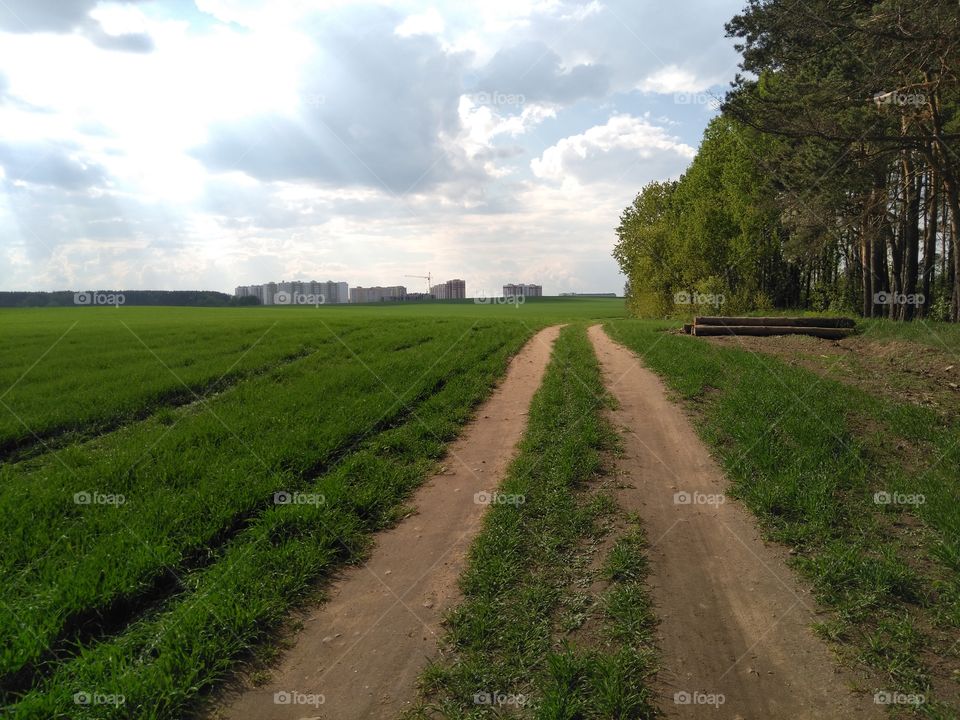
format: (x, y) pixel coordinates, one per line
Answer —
(65, 298)
(830, 179)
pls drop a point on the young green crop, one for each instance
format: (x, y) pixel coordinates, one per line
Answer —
(73, 373)
(87, 371)
(100, 529)
(163, 661)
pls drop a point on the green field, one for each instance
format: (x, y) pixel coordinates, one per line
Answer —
(175, 480)
(146, 547)
(62, 377)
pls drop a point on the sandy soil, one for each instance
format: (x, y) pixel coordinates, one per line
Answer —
(363, 650)
(734, 622)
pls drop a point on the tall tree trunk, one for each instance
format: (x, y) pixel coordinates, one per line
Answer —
(941, 154)
(911, 234)
(866, 263)
(946, 249)
(890, 277)
(953, 204)
(955, 249)
(879, 279)
(930, 239)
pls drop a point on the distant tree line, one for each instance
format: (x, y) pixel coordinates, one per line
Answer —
(193, 298)
(831, 178)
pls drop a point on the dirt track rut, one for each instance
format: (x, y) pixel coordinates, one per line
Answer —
(733, 619)
(363, 649)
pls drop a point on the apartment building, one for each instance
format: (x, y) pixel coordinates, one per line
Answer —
(522, 290)
(377, 294)
(294, 292)
(450, 290)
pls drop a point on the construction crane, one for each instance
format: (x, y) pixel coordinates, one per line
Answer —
(423, 277)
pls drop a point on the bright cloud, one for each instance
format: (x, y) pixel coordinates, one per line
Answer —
(606, 153)
(673, 79)
(428, 23)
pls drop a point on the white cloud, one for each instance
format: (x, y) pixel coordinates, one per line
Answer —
(428, 23)
(481, 123)
(120, 19)
(582, 12)
(607, 153)
(261, 13)
(673, 79)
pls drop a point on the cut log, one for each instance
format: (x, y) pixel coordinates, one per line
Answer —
(764, 330)
(687, 327)
(821, 322)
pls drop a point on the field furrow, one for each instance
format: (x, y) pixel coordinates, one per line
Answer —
(159, 498)
(68, 380)
(161, 662)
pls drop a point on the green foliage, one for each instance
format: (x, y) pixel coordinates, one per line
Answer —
(940, 309)
(816, 185)
(709, 242)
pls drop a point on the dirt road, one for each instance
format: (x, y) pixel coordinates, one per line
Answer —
(734, 622)
(359, 654)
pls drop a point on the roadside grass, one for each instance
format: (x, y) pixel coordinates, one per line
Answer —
(174, 645)
(899, 370)
(513, 645)
(940, 335)
(838, 475)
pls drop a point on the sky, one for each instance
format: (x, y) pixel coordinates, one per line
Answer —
(205, 144)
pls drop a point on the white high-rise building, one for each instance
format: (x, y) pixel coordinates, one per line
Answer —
(522, 290)
(331, 292)
(377, 294)
(450, 290)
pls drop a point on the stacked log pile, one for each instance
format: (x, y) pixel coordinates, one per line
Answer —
(830, 328)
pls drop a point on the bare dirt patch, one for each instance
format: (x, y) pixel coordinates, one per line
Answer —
(363, 650)
(895, 369)
(734, 622)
